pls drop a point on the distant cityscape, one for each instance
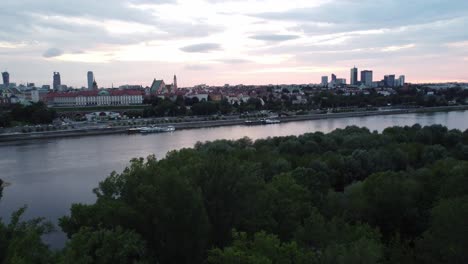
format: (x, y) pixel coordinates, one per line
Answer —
(92, 95)
(366, 81)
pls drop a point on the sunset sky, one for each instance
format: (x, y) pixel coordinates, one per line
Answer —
(238, 41)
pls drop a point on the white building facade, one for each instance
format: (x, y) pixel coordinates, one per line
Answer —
(101, 98)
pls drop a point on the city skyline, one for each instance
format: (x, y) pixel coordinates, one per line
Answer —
(218, 42)
(357, 78)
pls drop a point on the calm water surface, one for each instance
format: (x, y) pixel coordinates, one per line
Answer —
(49, 175)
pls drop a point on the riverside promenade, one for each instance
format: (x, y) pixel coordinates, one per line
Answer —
(216, 123)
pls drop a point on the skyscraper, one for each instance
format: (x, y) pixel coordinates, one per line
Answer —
(6, 79)
(175, 82)
(366, 78)
(389, 80)
(354, 76)
(57, 82)
(333, 77)
(324, 80)
(402, 80)
(90, 80)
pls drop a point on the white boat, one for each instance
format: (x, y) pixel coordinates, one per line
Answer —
(272, 121)
(156, 129)
(134, 130)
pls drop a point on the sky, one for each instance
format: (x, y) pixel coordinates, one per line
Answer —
(220, 42)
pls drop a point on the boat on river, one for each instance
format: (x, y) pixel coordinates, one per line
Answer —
(262, 122)
(134, 130)
(271, 121)
(156, 129)
(253, 122)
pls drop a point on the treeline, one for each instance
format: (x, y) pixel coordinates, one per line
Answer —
(350, 196)
(193, 106)
(33, 114)
(412, 96)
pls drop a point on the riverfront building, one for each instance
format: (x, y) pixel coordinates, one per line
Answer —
(96, 98)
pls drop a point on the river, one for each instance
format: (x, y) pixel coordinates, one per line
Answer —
(49, 175)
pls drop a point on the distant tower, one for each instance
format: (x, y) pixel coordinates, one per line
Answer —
(90, 80)
(354, 76)
(333, 77)
(175, 82)
(57, 81)
(95, 87)
(401, 80)
(366, 78)
(6, 79)
(389, 80)
(324, 81)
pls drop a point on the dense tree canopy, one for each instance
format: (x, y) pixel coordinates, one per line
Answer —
(36, 113)
(350, 196)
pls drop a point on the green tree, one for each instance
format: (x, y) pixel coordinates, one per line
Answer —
(161, 206)
(446, 240)
(104, 246)
(20, 241)
(263, 248)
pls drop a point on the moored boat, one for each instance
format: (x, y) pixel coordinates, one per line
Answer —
(156, 129)
(262, 122)
(134, 130)
(253, 122)
(271, 121)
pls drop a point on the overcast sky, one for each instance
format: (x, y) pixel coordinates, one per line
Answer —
(238, 41)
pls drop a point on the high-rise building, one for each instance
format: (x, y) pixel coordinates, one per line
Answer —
(57, 81)
(333, 77)
(175, 82)
(402, 80)
(340, 81)
(354, 76)
(90, 80)
(324, 80)
(6, 79)
(389, 80)
(366, 78)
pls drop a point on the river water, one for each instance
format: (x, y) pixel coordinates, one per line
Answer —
(49, 175)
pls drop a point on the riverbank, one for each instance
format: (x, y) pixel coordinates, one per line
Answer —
(216, 123)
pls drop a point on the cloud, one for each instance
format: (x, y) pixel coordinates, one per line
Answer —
(87, 24)
(373, 14)
(234, 61)
(197, 67)
(11, 45)
(202, 47)
(273, 37)
(235, 36)
(52, 52)
(460, 44)
(397, 48)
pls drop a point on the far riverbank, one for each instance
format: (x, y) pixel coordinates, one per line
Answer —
(217, 123)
